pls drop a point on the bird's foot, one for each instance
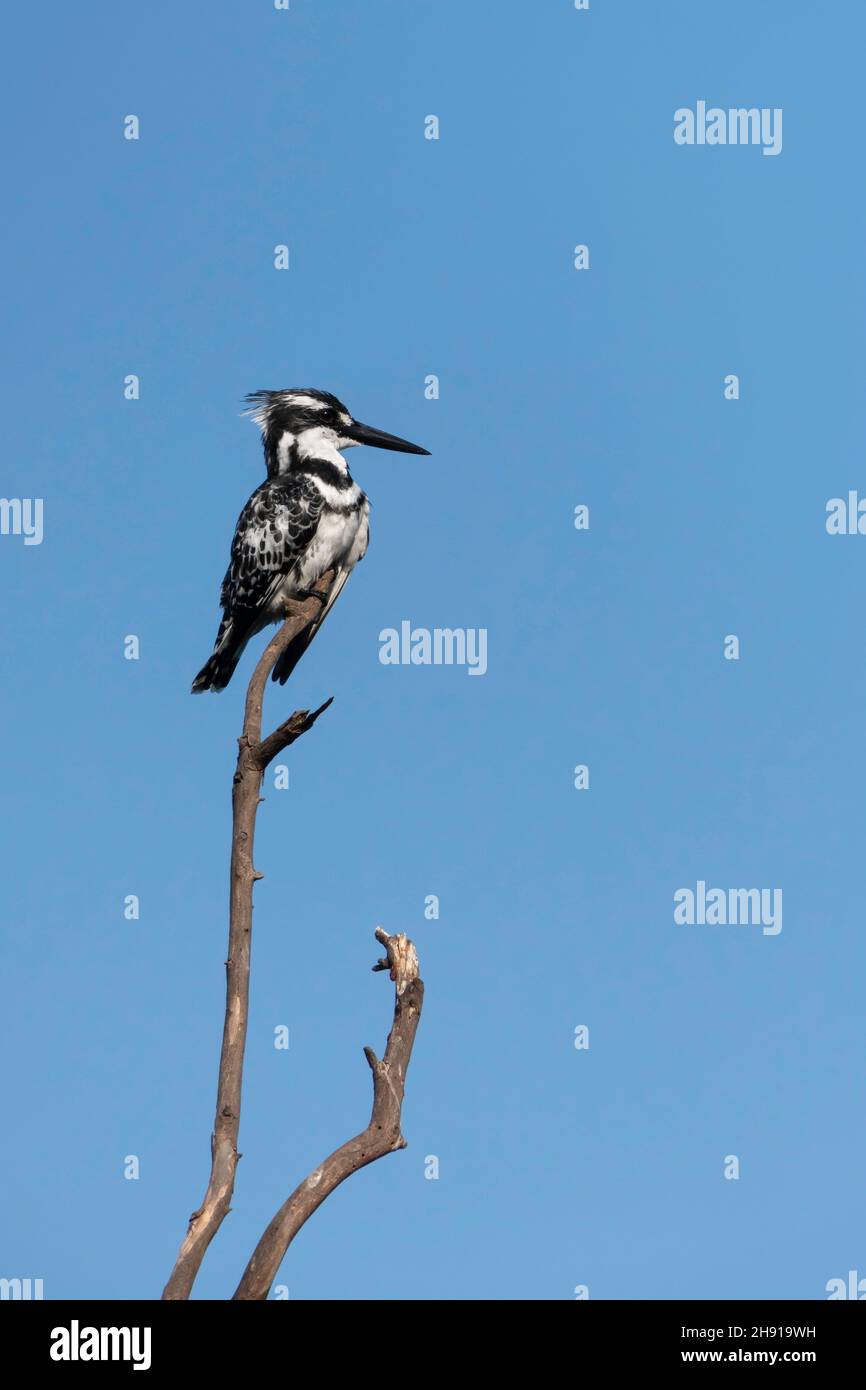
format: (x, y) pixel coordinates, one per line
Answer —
(302, 595)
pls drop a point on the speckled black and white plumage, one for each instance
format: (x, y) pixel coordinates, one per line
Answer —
(288, 535)
(307, 518)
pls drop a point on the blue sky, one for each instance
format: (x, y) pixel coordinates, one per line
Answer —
(605, 387)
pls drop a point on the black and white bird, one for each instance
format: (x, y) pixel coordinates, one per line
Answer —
(308, 517)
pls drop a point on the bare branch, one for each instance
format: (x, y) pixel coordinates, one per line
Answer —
(291, 729)
(254, 755)
(298, 616)
(383, 1134)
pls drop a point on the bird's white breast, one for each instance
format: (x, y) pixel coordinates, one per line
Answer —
(339, 543)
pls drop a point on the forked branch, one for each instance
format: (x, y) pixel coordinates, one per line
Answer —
(383, 1134)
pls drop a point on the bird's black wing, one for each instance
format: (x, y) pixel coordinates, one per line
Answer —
(273, 531)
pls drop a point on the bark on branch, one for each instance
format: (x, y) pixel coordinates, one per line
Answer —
(383, 1134)
(254, 755)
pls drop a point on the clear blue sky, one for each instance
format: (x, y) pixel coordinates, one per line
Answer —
(453, 257)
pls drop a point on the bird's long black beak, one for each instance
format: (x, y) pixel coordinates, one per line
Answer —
(365, 434)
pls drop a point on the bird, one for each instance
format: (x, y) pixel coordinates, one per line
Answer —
(309, 516)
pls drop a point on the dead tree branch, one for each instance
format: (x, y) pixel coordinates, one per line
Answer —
(254, 755)
(383, 1134)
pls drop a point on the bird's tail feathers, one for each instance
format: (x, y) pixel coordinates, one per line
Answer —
(216, 672)
(288, 660)
(220, 666)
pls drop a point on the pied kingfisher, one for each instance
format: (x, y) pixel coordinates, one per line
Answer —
(308, 517)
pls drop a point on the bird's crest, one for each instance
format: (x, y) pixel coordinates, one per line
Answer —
(267, 408)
